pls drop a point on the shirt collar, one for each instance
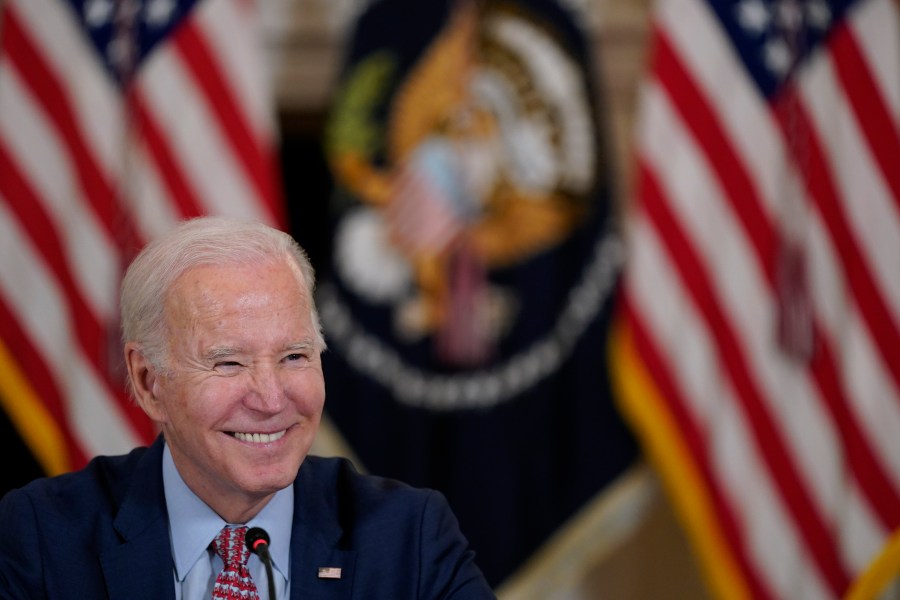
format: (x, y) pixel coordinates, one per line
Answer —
(192, 523)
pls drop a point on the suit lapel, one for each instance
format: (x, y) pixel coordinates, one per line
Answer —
(141, 565)
(320, 569)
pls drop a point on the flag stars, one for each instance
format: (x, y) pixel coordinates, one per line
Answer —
(782, 30)
(753, 16)
(778, 56)
(98, 13)
(158, 13)
(818, 14)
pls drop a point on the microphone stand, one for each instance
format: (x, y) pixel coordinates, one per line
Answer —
(257, 541)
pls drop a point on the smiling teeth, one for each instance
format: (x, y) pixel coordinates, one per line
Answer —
(260, 438)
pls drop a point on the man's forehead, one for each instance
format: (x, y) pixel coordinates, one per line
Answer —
(210, 292)
(211, 278)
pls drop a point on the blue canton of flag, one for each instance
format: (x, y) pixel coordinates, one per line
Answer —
(774, 36)
(126, 32)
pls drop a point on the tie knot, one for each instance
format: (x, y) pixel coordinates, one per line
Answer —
(229, 545)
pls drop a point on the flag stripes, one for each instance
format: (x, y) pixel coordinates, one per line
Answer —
(794, 449)
(52, 96)
(90, 169)
(740, 193)
(185, 200)
(690, 434)
(869, 107)
(200, 59)
(780, 462)
(88, 332)
(823, 191)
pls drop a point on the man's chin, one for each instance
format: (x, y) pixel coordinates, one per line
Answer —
(268, 482)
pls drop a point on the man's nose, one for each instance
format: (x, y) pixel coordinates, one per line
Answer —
(267, 394)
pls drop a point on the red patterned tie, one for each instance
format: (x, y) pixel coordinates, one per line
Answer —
(234, 582)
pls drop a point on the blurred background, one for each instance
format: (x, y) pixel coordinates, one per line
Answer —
(618, 277)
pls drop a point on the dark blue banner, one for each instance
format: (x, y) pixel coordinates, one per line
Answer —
(473, 266)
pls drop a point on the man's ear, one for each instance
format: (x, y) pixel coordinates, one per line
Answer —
(145, 382)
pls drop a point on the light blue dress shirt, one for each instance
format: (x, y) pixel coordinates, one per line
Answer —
(193, 525)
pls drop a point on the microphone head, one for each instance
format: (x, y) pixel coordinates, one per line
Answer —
(256, 539)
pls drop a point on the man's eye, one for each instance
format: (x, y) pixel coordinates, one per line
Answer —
(227, 363)
(294, 356)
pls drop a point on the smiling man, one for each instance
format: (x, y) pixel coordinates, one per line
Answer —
(222, 349)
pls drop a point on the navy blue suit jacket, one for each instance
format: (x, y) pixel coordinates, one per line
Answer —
(103, 533)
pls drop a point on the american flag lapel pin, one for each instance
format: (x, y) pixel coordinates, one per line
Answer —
(329, 572)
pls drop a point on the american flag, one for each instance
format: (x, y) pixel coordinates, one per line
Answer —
(424, 213)
(759, 351)
(117, 119)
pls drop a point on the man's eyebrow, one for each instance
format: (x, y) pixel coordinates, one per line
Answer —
(220, 353)
(301, 345)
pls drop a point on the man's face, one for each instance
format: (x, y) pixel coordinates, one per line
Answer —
(244, 392)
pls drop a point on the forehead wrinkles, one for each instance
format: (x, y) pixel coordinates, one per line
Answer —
(207, 296)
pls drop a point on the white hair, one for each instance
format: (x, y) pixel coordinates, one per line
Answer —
(202, 241)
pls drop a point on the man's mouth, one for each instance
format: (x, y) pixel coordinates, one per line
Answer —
(258, 438)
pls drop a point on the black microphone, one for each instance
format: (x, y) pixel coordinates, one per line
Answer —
(257, 541)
